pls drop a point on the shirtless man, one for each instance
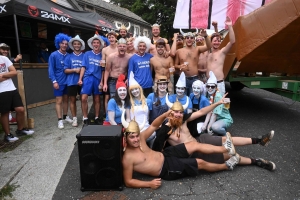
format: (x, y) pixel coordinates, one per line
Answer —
(155, 37)
(106, 51)
(216, 58)
(202, 63)
(117, 63)
(176, 131)
(186, 59)
(162, 65)
(173, 163)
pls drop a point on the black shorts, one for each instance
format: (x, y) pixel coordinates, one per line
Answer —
(9, 101)
(213, 140)
(177, 163)
(73, 90)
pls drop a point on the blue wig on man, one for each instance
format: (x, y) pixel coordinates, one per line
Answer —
(106, 41)
(59, 38)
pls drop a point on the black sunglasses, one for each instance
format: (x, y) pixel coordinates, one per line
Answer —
(210, 86)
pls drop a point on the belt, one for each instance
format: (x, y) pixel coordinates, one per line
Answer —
(220, 81)
(112, 78)
(191, 77)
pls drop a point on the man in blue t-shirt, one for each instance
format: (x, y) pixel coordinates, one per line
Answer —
(90, 77)
(72, 69)
(58, 77)
(139, 64)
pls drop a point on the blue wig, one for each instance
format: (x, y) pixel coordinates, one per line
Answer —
(59, 38)
(106, 41)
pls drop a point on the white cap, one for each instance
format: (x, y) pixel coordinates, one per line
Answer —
(76, 38)
(212, 78)
(92, 39)
(132, 81)
(181, 81)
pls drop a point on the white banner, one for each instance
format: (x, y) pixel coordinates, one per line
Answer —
(192, 14)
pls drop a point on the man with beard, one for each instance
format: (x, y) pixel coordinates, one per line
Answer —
(117, 63)
(72, 69)
(162, 65)
(216, 58)
(58, 77)
(123, 31)
(180, 95)
(155, 38)
(186, 58)
(139, 64)
(90, 77)
(173, 163)
(176, 132)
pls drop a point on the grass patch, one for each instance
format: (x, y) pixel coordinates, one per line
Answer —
(9, 146)
(7, 190)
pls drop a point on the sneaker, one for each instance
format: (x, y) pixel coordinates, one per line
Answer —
(10, 138)
(68, 119)
(60, 124)
(233, 161)
(24, 131)
(13, 120)
(228, 144)
(265, 164)
(74, 123)
(85, 122)
(98, 121)
(265, 139)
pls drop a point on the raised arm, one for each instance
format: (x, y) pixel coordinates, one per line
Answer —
(206, 110)
(155, 125)
(227, 48)
(207, 45)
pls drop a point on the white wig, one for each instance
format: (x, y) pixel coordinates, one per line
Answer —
(143, 39)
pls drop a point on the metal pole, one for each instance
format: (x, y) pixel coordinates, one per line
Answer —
(17, 39)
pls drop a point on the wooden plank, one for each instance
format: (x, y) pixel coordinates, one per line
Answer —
(20, 77)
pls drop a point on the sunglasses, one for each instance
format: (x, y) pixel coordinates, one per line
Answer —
(189, 37)
(211, 86)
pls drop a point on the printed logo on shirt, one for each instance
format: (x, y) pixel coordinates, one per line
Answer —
(2, 67)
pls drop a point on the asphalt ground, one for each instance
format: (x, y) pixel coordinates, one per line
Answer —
(46, 166)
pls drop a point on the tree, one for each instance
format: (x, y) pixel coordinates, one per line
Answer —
(153, 11)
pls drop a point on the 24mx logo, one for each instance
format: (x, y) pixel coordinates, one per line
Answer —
(53, 16)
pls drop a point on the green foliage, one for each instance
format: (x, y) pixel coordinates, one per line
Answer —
(153, 11)
(7, 190)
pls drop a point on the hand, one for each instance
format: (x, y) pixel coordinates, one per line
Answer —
(228, 21)
(167, 53)
(222, 101)
(80, 82)
(19, 57)
(214, 23)
(56, 86)
(203, 128)
(184, 67)
(104, 87)
(203, 33)
(209, 131)
(155, 183)
(126, 82)
(175, 35)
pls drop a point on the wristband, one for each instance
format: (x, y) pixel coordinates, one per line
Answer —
(54, 82)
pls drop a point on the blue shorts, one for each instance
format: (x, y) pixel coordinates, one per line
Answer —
(90, 86)
(62, 90)
(111, 82)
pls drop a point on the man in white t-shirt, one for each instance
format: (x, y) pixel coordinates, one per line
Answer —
(10, 100)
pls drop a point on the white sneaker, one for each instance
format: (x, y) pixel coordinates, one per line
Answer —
(68, 119)
(233, 161)
(60, 124)
(75, 124)
(228, 144)
(10, 138)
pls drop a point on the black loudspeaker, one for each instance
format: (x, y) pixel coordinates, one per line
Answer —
(100, 158)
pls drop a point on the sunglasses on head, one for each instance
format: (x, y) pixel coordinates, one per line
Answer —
(211, 86)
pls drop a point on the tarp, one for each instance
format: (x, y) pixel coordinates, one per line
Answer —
(47, 10)
(192, 14)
